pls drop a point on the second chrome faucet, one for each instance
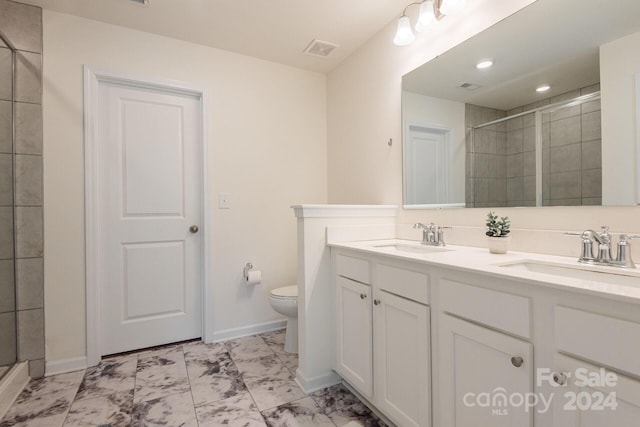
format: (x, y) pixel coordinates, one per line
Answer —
(603, 254)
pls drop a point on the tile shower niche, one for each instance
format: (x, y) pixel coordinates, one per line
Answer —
(542, 154)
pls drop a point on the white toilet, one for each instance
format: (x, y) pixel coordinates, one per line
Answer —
(285, 301)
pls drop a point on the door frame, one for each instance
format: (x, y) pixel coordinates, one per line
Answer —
(93, 78)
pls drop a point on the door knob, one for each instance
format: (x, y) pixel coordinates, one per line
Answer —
(194, 229)
(376, 301)
(560, 378)
(363, 296)
(517, 361)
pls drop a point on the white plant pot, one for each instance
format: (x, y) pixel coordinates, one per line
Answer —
(498, 245)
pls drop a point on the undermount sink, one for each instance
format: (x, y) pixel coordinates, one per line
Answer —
(580, 272)
(412, 249)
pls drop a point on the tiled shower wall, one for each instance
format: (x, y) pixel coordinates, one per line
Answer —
(501, 158)
(22, 25)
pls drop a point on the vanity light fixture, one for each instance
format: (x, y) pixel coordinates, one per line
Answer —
(431, 11)
(484, 64)
(543, 88)
(451, 7)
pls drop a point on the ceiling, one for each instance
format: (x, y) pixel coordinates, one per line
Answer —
(550, 41)
(275, 30)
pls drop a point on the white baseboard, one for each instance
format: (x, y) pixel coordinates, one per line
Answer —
(65, 365)
(11, 386)
(244, 331)
(309, 385)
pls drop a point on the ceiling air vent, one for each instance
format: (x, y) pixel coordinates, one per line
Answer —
(320, 48)
(470, 86)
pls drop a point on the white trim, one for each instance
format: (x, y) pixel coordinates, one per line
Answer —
(343, 211)
(309, 385)
(12, 385)
(92, 78)
(436, 206)
(65, 365)
(245, 331)
(638, 138)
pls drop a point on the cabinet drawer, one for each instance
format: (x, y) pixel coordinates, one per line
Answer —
(405, 283)
(353, 268)
(601, 339)
(510, 313)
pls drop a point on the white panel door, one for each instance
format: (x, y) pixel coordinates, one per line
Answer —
(354, 334)
(150, 194)
(428, 175)
(402, 365)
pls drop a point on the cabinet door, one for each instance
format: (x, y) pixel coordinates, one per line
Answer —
(480, 370)
(584, 401)
(353, 330)
(402, 360)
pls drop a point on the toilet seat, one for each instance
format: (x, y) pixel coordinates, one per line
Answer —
(285, 292)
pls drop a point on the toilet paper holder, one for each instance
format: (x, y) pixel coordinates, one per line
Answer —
(245, 271)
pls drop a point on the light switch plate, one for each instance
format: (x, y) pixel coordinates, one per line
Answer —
(224, 201)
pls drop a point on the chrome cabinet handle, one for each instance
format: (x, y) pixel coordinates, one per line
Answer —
(376, 302)
(517, 361)
(363, 296)
(193, 229)
(559, 378)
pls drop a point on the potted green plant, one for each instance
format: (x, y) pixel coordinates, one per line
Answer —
(498, 229)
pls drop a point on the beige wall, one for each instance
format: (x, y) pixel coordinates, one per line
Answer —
(257, 111)
(364, 112)
(619, 64)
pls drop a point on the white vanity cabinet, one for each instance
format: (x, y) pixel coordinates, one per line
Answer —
(480, 359)
(429, 342)
(588, 400)
(477, 367)
(401, 359)
(382, 337)
(353, 334)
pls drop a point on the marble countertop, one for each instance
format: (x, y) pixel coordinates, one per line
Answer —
(479, 260)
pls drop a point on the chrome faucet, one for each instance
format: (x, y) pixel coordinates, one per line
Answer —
(603, 240)
(432, 235)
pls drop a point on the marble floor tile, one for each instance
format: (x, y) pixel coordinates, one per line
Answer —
(197, 348)
(112, 375)
(290, 360)
(236, 411)
(275, 339)
(173, 410)
(159, 350)
(160, 375)
(51, 384)
(48, 410)
(301, 413)
(269, 382)
(248, 348)
(213, 378)
(343, 407)
(114, 409)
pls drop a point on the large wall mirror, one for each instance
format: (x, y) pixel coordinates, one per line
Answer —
(492, 137)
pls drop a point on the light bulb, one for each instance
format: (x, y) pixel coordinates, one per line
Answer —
(543, 88)
(451, 7)
(404, 35)
(427, 16)
(487, 63)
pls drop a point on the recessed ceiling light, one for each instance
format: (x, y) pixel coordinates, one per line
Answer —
(484, 64)
(543, 88)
